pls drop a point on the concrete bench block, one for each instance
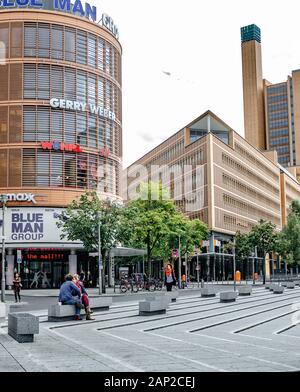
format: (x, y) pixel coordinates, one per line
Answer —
(273, 285)
(3, 311)
(267, 286)
(208, 292)
(228, 296)
(245, 290)
(278, 289)
(172, 296)
(58, 312)
(290, 285)
(23, 326)
(284, 284)
(153, 305)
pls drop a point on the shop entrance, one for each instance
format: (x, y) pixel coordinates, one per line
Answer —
(43, 269)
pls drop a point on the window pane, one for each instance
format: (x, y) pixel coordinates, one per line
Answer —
(81, 129)
(92, 51)
(29, 162)
(92, 89)
(42, 168)
(70, 134)
(57, 42)
(29, 81)
(43, 124)
(56, 177)
(70, 84)
(29, 128)
(43, 40)
(30, 38)
(57, 125)
(81, 47)
(100, 54)
(57, 82)
(43, 82)
(69, 44)
(92, 132)
(81, 87)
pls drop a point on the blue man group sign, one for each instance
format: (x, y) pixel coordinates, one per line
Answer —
(76, 7)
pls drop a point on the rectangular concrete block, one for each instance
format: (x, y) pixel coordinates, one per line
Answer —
(3, 311)
(290, 285)
(208, 292)
(58, 312)
(228, 296)
(172, 296)
(267, 286)
(153, 305)
(245, 290)
(23, 326)
(284, 284)
(278, 289)
(273, 285)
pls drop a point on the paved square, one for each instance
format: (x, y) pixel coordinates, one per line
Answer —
(256, 333)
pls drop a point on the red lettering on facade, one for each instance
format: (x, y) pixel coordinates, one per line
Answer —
(62, 147)
(104, 152)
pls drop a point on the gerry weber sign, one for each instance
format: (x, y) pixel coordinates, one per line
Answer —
(81, 107)
(77, 8)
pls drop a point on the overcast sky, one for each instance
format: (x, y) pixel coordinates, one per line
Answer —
(198, 43)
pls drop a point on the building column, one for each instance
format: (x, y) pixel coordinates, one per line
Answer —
(10, 260)
(73, 262)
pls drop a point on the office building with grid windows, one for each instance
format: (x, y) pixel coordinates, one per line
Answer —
(233, 185)
(271, 111)
(60, 131)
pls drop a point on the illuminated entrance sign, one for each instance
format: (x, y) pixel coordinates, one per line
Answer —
(58, 146)
(58, 103)
(77, 8)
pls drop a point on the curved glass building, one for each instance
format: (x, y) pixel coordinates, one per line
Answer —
(60, 123)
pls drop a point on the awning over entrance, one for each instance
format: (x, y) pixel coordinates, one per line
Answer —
(123, 252)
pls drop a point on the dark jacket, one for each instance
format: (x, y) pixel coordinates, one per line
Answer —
(68, 291)
(173, 276)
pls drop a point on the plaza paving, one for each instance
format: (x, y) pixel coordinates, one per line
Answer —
(257, 333)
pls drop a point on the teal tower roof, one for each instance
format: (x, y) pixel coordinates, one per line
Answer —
(251, 33)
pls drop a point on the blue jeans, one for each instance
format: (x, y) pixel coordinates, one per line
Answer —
(74, 301)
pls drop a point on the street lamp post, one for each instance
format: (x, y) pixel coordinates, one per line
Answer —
(179, 266)
(198, 272)
(3, 200)
(99, 255)
(234, 267)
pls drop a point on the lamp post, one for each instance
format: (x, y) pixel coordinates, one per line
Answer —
(100, 264)
(179, 262)
(3, 200)
(234, 266)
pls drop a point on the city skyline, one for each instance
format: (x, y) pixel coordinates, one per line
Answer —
(175, 77)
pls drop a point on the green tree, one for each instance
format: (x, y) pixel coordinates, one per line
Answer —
(81, 220)
(290, 238)
(156, 224)
(243, 246)
(264, 237)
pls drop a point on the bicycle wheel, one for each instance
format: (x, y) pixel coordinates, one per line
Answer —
(123, 288)
(135, 289)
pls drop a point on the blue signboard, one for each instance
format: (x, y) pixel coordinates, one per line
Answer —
(77, 8)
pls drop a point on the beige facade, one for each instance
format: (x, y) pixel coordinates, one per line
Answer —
(253, 88)
(237, 185)
(271, 111)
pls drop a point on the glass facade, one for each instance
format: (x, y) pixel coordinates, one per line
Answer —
(278, 122)
(69, 63)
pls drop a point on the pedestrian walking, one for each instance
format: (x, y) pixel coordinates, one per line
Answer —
(70, 294)
(84, 297)
(17, 287)
(170, 279)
